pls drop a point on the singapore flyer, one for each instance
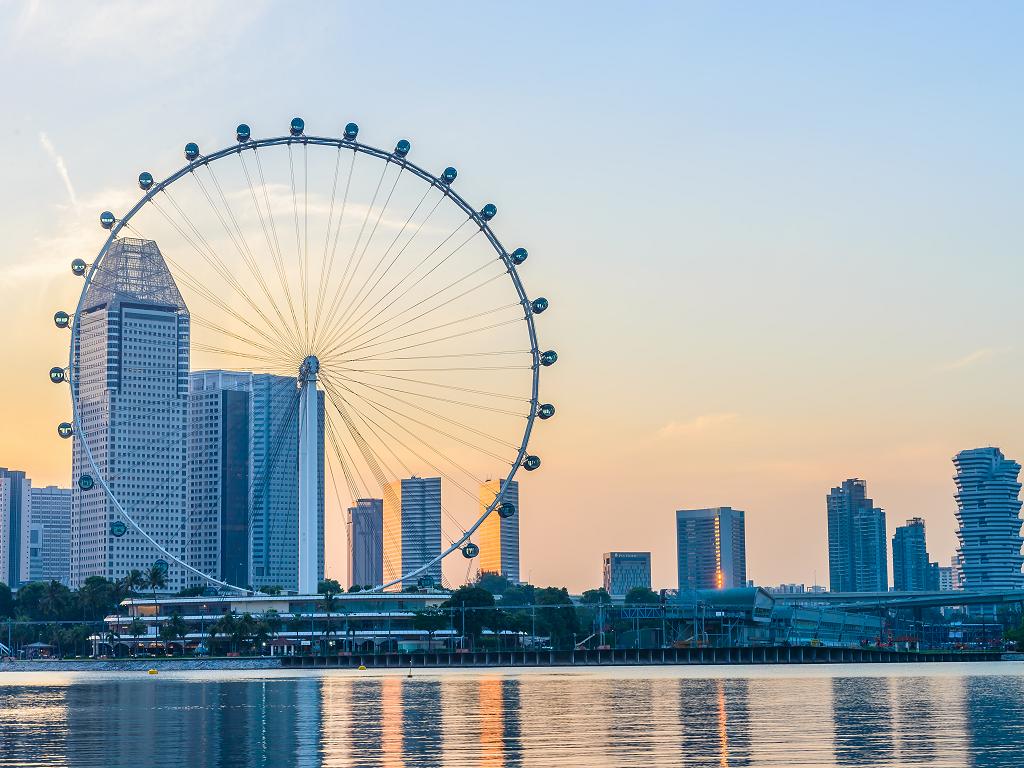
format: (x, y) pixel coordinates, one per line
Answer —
(286, 328)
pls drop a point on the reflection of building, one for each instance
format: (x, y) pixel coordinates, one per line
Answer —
(412, 528)
(624, 571)
(130, 378)
(711, 548)
(720, 729)
(365, 524)
(50, 537)
(988, 511)
(863, 721)
(15, 515)
(910, 565)
(857, 551)
(499, 536)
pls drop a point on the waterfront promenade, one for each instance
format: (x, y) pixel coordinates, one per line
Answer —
(542, 659)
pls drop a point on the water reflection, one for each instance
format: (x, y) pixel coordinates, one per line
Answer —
(627, 718)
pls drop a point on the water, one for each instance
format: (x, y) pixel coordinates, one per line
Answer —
(838, 715)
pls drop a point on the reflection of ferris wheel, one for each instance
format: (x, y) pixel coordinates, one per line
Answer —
(364, 314)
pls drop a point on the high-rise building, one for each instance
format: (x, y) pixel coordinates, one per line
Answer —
(219, 472)
(857, 548)
(130, 375)
(412, 529)
(911, 568)
(711, 548)
(988, 512)
(274, 498)
(15, 526)
(50, 537)
(365, 524)
(945, 578)
(499, 536)
(956, 571)
(623, 571)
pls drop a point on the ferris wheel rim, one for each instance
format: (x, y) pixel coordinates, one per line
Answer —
(358, 147)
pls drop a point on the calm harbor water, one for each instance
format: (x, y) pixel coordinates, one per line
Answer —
(836, 715)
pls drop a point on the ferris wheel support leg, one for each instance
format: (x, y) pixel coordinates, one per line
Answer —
(309, 430)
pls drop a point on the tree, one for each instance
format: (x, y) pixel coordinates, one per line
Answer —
(174, 629)
(244, 630)
(475, 606)
(133, 582)
(329, 585)
(136, 629)
(271, 589)
(522, 594)
(27, 602)
(328, 605)
(642, 596)
(156, 578)
(6, 601)
(595, 596)
(558, 618)
(97, 597)
(493, 583)
(430, 621)
(226, 626)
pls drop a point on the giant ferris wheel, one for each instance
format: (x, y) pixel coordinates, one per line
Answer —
(388, 326)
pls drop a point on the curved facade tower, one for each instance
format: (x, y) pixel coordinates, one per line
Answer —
(988, 511)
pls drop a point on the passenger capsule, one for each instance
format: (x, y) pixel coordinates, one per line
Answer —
(548, 358)
(546, 411)
(78, 267)
(65, 430)
(449, 175)
(107, 220)
(488, 212)
(470, 551)
(56, 375)
(351, 131)
(191, 151)
(402, 148)
(518, 256)
(145, 180)
(243, 133)
(506, 510)
(61, 319)
(297, 127)
(531, 463)
(118, 528)
(539, 305)
(86, 483)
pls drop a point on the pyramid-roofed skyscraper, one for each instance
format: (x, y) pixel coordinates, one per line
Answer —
(130, 374)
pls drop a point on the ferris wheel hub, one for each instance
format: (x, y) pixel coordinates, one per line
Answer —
(309, 369)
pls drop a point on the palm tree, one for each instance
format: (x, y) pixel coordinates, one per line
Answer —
(156, 578)
(135, 629)
(226, 625)
(245, 628)
(173, 629)
(328, 605)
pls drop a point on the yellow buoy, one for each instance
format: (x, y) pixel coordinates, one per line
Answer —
(363, 668)
(153, 672)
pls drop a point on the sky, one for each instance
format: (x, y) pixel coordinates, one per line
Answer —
(782, 242)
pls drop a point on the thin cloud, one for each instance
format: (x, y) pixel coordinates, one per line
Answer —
(968, 360)
(61, 166)
(700, 424)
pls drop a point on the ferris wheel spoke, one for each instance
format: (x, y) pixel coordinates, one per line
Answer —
(343, 282)
(437, 398)
(300, 256)
(359, 297)
(340, 333)
(503, 442)
(243, 250)
(327, 264)
(375, 429)
(439, 385)
(345, 357)
(277, 244)
(446, 304)
(211, 258)
(429, 446)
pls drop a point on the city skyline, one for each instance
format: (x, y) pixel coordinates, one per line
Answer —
(815, 217)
